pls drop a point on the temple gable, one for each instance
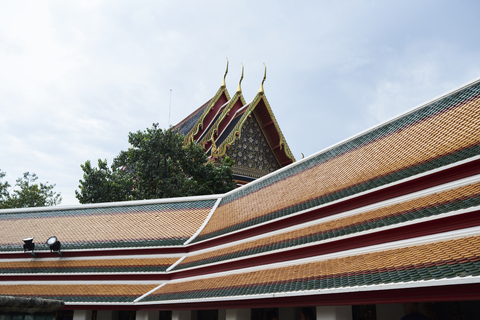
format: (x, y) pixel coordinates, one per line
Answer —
(248, 133)
(251, 152)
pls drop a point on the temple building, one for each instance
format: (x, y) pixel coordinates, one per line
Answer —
(377, 226)
(248, 133)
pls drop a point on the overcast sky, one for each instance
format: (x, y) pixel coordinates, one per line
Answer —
(77, 76)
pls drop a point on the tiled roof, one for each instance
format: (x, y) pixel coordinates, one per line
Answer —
(79, 293)
(189, 122)
(201, 119)
(86, 266)
(433, 136)
(457, 258)
(421, 207)
(125, 225)
(401, 232)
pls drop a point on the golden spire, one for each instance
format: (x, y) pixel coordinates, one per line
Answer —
(264, 77)
(226, 71)
(239, 89)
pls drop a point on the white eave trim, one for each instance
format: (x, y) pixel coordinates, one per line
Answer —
(83, 282)
(113, 204)
(148, 293)
(212, 211)
(379, 287)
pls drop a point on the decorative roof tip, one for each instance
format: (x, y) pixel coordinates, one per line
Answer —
(264, 77)
(225, 76)
(239, 89)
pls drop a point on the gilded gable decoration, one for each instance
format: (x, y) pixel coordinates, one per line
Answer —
(247, 132)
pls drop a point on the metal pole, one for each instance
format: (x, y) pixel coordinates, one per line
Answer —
(170, 108)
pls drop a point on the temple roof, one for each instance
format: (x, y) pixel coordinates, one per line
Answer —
(157, 223)
(393, 208)
(447, 259)
(193, 126)
(218, 124)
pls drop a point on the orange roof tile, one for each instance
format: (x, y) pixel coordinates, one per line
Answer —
(388, 262)
(411, 146)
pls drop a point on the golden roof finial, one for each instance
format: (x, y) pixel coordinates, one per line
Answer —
(226, 71)
(264, 77)
(239, 89)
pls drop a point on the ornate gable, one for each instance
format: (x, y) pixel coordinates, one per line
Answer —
(251, 151)
(247, 133)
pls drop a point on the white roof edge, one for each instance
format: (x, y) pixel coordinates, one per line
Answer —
(149, 292)
(83, 282)
(205, 222)
(363, 288)
(114, 204)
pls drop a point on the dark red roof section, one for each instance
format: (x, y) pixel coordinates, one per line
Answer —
(211, 114)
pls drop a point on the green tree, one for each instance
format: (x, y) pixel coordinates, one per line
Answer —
(26, 193)
(104, 185)
(158, 165)
(4, 186)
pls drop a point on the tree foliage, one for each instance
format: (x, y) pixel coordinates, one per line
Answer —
(158, 165)
(27, 193)
(104, 185)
